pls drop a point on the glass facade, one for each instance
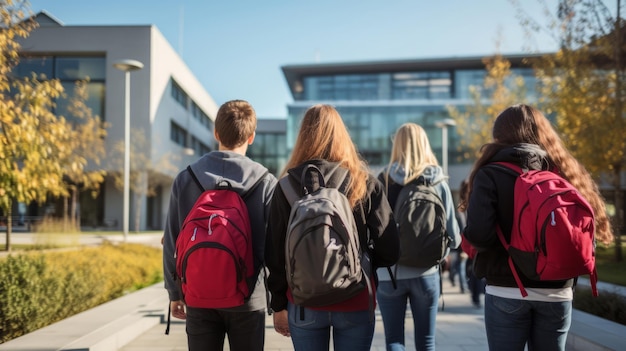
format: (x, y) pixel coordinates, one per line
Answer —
(68, 69)
(374, 105)
(269, 150)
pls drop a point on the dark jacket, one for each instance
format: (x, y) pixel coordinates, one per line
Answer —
(378, 221)
(491, 204)
(242, 173)
(395, 183)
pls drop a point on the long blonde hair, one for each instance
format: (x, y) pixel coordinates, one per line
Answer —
(411, 150)
(323, 136)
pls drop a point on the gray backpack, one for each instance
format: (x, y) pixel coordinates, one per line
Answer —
(421, 220)
(324, 260)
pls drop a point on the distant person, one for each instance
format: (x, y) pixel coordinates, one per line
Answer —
(206, 328)
(323, 141)
(412, 160)
(459, 257)
(475, 285)
(522, 135)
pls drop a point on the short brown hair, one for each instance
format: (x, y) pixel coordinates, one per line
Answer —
(235, 123)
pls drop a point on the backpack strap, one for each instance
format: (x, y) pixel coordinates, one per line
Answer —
(195, 179)
(506, 245)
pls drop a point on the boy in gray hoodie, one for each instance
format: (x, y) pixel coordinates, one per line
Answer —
(206, 328)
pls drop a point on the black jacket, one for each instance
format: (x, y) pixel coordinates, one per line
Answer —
(376, 219)
(491, 204)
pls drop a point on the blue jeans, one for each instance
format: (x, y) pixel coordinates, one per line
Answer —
(310, 329)
(207, 328)
(512, 323)
(423, 294)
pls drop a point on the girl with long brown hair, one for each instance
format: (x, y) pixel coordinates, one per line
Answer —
(522, 135)
(323, 141)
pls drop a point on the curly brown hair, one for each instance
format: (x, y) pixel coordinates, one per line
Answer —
(525, 124)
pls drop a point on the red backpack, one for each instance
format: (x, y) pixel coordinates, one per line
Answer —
(214, 258)
(552, 237)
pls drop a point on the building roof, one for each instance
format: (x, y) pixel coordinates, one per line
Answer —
(44, 18)
(295, 73)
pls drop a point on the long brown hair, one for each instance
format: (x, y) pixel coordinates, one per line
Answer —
(525, 124)
(323, 136)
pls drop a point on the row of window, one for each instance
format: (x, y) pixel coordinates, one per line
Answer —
(372, 128)
(180, 136)
(185, 101)
(426, 85)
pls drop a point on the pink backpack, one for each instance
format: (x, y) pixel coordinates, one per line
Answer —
(552, 237)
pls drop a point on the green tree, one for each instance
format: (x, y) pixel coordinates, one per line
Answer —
(582, 85)
(501, 89)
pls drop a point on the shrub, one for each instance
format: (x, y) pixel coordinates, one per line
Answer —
(38, 289)
(607, 305)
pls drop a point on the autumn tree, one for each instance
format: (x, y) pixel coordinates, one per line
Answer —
(39, 150)
(33, 141)
(582, 84)
(500, 89)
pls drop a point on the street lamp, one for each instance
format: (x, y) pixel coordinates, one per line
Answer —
(444, 124)
(127, 66)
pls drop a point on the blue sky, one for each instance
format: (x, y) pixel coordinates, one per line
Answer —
(237, 47)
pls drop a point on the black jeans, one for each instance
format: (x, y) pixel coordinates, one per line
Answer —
(206, 329)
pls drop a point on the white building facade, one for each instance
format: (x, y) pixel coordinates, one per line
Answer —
(170, 111)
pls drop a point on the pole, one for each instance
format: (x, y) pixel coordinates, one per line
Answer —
(127, 66)
(444, 149)
(126, 155)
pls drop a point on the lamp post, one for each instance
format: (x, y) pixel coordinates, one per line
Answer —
(127, 66)
(444, 124)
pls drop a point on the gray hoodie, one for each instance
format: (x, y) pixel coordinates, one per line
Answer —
(432, 174)
(242, 173)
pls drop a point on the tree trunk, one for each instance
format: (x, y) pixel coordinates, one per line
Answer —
(9, 227)
(65, 213)
(75, 219)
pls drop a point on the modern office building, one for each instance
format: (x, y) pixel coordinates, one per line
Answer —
(169, 108)
(270, 144)
(375, 98)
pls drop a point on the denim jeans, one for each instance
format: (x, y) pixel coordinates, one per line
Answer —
(512, 323)
(207, 328)
(423, 295)
(310, 329)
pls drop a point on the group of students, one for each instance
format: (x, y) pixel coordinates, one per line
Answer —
(521, 134)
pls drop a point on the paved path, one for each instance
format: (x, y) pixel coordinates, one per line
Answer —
(459, 327)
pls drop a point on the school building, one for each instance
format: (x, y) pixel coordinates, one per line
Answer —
(374, 98)
(171, 114)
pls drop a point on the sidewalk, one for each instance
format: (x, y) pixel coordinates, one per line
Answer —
(136, 322)
(459, 327)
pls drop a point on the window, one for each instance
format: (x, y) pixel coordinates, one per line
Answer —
(421, 85)
(178, 134)
(69, 69)
(179, 94)
(73, 68)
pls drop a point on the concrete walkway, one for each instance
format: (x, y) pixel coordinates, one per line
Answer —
(459, 327)
(136, 322)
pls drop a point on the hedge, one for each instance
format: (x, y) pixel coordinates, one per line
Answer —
(38, 289)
